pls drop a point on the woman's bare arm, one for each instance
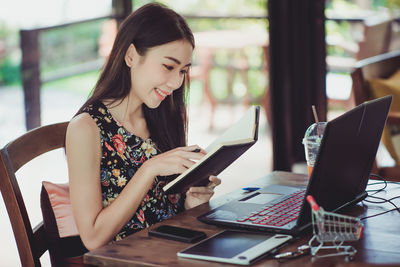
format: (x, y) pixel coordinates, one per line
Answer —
(97, 226)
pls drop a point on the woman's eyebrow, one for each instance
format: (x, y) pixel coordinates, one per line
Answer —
(177, 61)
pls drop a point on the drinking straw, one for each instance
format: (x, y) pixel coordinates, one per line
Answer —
(316, 119)
(315, 113)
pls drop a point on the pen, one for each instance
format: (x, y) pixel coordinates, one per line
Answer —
(250, 189)
(301, 250)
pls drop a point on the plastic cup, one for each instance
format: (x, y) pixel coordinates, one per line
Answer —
(311, 141)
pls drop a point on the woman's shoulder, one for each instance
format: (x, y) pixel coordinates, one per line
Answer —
(82, 140)
(83, 125)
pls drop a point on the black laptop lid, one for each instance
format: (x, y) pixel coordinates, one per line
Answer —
(347, 152)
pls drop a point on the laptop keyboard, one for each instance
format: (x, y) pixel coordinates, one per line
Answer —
(277, 214)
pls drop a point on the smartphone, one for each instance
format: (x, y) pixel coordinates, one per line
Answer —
(177, 233)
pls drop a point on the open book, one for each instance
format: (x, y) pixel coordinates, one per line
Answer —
(220, 154)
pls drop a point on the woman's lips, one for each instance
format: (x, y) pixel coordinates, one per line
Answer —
(161, 93)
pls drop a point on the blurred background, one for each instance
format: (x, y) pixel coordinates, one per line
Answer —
(69, 40)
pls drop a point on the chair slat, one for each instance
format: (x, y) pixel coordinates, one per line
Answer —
(17, 213)
(39, 234)
(36, 142)
(31, 243)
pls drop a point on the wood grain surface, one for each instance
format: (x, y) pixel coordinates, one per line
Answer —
(379, 246)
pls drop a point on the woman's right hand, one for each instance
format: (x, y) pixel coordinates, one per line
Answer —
(174, 161)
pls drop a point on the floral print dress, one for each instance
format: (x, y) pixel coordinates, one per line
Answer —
(122, 155)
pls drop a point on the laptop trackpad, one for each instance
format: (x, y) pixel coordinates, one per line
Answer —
(279, 189)
(269, 193)
(261, 198)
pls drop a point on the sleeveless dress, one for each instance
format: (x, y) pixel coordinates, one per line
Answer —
(122, 155)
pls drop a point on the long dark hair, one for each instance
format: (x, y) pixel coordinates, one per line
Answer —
(149, 26)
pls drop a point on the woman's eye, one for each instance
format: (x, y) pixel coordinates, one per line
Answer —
(168, 67)
(184, 72)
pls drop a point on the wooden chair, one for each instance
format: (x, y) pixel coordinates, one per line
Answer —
(234, 43)
(31, 243)
(376, 39)
(381, 66)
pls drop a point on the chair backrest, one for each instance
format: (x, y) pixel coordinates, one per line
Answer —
(376, 38)
(31, 242)
(381, 66)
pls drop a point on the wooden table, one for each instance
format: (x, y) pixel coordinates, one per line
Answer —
(380, 243)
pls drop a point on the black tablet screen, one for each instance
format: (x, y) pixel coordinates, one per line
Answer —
(228, 244)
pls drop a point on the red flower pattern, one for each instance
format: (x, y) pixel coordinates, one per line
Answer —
(174, 198)
(131, 153)
(108, 146)
(140, 216)
(119, 143)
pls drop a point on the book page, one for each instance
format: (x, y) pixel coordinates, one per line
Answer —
(239, 137)
(243, 130)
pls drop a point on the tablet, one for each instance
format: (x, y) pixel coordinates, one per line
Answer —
(237, 247)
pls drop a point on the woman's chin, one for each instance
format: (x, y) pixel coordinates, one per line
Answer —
(153, 104)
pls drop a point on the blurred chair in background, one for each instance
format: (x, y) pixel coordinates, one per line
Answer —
(376, 77)
(234, 42)
(376, 41)
(376, 38)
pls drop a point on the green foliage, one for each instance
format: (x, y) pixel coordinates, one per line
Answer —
(341, 32)
(9, 72)
(139, 3)
(218, 84)
(205, 24)
(391, 4)
(258, 82)
(220, 7)
(196, 94)
(344, 32)
(70, 45)
(217, 8)
(9, 55)
(82, 84)
(346, 5)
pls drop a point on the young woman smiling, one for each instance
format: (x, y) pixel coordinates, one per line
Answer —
(129, 138)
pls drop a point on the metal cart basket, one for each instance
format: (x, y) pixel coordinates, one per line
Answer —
(331, 230)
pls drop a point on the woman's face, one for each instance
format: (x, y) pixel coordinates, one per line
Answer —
(159, 72)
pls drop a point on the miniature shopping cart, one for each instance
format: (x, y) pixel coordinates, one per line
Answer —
(331, 230)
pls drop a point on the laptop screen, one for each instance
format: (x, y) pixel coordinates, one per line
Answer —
(346, 155)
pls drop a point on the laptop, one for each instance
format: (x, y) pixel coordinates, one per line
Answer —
(339, 178)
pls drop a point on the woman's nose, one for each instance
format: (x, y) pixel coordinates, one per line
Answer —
(175, 81)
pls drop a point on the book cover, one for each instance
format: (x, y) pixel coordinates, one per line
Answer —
(220, 154)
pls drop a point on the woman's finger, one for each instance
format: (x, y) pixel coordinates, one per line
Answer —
(201, 190)
(203, 197)
(195, 149)
(187, 163)
(192, 155)
(192, 148)
(214, 181)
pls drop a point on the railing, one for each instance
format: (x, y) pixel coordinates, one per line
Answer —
(30, 65)
(32, 77)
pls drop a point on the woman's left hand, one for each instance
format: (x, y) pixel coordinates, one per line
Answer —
(199, 195)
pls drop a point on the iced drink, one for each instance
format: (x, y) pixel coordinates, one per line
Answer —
(312, 140)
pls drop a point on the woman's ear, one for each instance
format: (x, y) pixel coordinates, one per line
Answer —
(130, 55)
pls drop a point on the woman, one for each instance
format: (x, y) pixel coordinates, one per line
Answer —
(129, 138)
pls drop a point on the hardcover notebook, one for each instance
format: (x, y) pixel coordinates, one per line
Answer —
(220, 154)
(339, 178)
